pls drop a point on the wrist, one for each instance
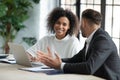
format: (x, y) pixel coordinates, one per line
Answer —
(62, 65)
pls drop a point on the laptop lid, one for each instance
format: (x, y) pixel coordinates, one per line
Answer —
(19, 54)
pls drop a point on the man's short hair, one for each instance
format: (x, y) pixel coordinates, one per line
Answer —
(92, 15)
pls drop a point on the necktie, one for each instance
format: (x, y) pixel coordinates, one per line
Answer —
(84, 51)
(85, 46)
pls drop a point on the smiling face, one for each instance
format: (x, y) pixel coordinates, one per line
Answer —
(61, 27)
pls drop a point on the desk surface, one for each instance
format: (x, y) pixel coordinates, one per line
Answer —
(11, 72)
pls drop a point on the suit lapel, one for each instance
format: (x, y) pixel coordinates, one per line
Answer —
(91, 43)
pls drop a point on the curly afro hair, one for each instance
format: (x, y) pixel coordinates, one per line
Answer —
(60, 12)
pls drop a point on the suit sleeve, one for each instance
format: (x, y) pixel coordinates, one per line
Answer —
(79, 57)
(99, 50)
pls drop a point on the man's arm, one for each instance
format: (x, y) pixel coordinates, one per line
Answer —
(79, 57)
(98, 52)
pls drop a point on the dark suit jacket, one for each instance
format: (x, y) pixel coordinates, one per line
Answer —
(102, 58)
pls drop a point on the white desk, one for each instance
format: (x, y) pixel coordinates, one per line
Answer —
(11, 72)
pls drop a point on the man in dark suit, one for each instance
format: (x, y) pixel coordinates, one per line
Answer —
(99, 57)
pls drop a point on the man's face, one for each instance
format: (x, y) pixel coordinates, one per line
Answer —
(83, 27)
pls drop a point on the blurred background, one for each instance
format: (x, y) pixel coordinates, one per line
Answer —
(35, 24)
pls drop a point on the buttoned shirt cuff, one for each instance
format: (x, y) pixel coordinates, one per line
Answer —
(62, 66)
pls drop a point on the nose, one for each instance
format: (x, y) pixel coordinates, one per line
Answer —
(60, 26)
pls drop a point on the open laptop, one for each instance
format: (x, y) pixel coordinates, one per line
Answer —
(21, 56)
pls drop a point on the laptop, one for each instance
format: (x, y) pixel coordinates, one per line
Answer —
(21, 56)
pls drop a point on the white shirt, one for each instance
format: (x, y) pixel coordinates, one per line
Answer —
(66, 47)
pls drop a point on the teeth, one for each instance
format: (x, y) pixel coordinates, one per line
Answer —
(59, 31)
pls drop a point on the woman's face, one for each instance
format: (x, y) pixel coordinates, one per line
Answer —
(61, 27)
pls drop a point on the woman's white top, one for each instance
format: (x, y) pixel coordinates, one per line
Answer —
(65, 48)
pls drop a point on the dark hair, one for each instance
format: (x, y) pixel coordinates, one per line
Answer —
(60, 12)
(92, 15)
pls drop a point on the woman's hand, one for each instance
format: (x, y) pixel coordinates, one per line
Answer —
(31, 58)
(48, 59)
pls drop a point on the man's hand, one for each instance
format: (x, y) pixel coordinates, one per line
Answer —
(48, 59)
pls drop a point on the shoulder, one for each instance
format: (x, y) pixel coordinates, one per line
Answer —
(103, 40)
(101, 32)
(46, 39)
(73, 38)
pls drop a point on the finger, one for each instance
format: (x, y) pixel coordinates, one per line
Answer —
(49, 51)
(40, 52)
(41, 56)
(57, 56)
(33, 58)
(46, 61)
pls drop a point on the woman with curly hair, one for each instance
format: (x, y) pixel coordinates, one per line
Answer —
(63, 25)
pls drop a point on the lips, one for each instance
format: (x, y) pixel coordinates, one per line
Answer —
(59, 31)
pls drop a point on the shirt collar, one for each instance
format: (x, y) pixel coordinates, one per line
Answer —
(64, 39)
(90, 37)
